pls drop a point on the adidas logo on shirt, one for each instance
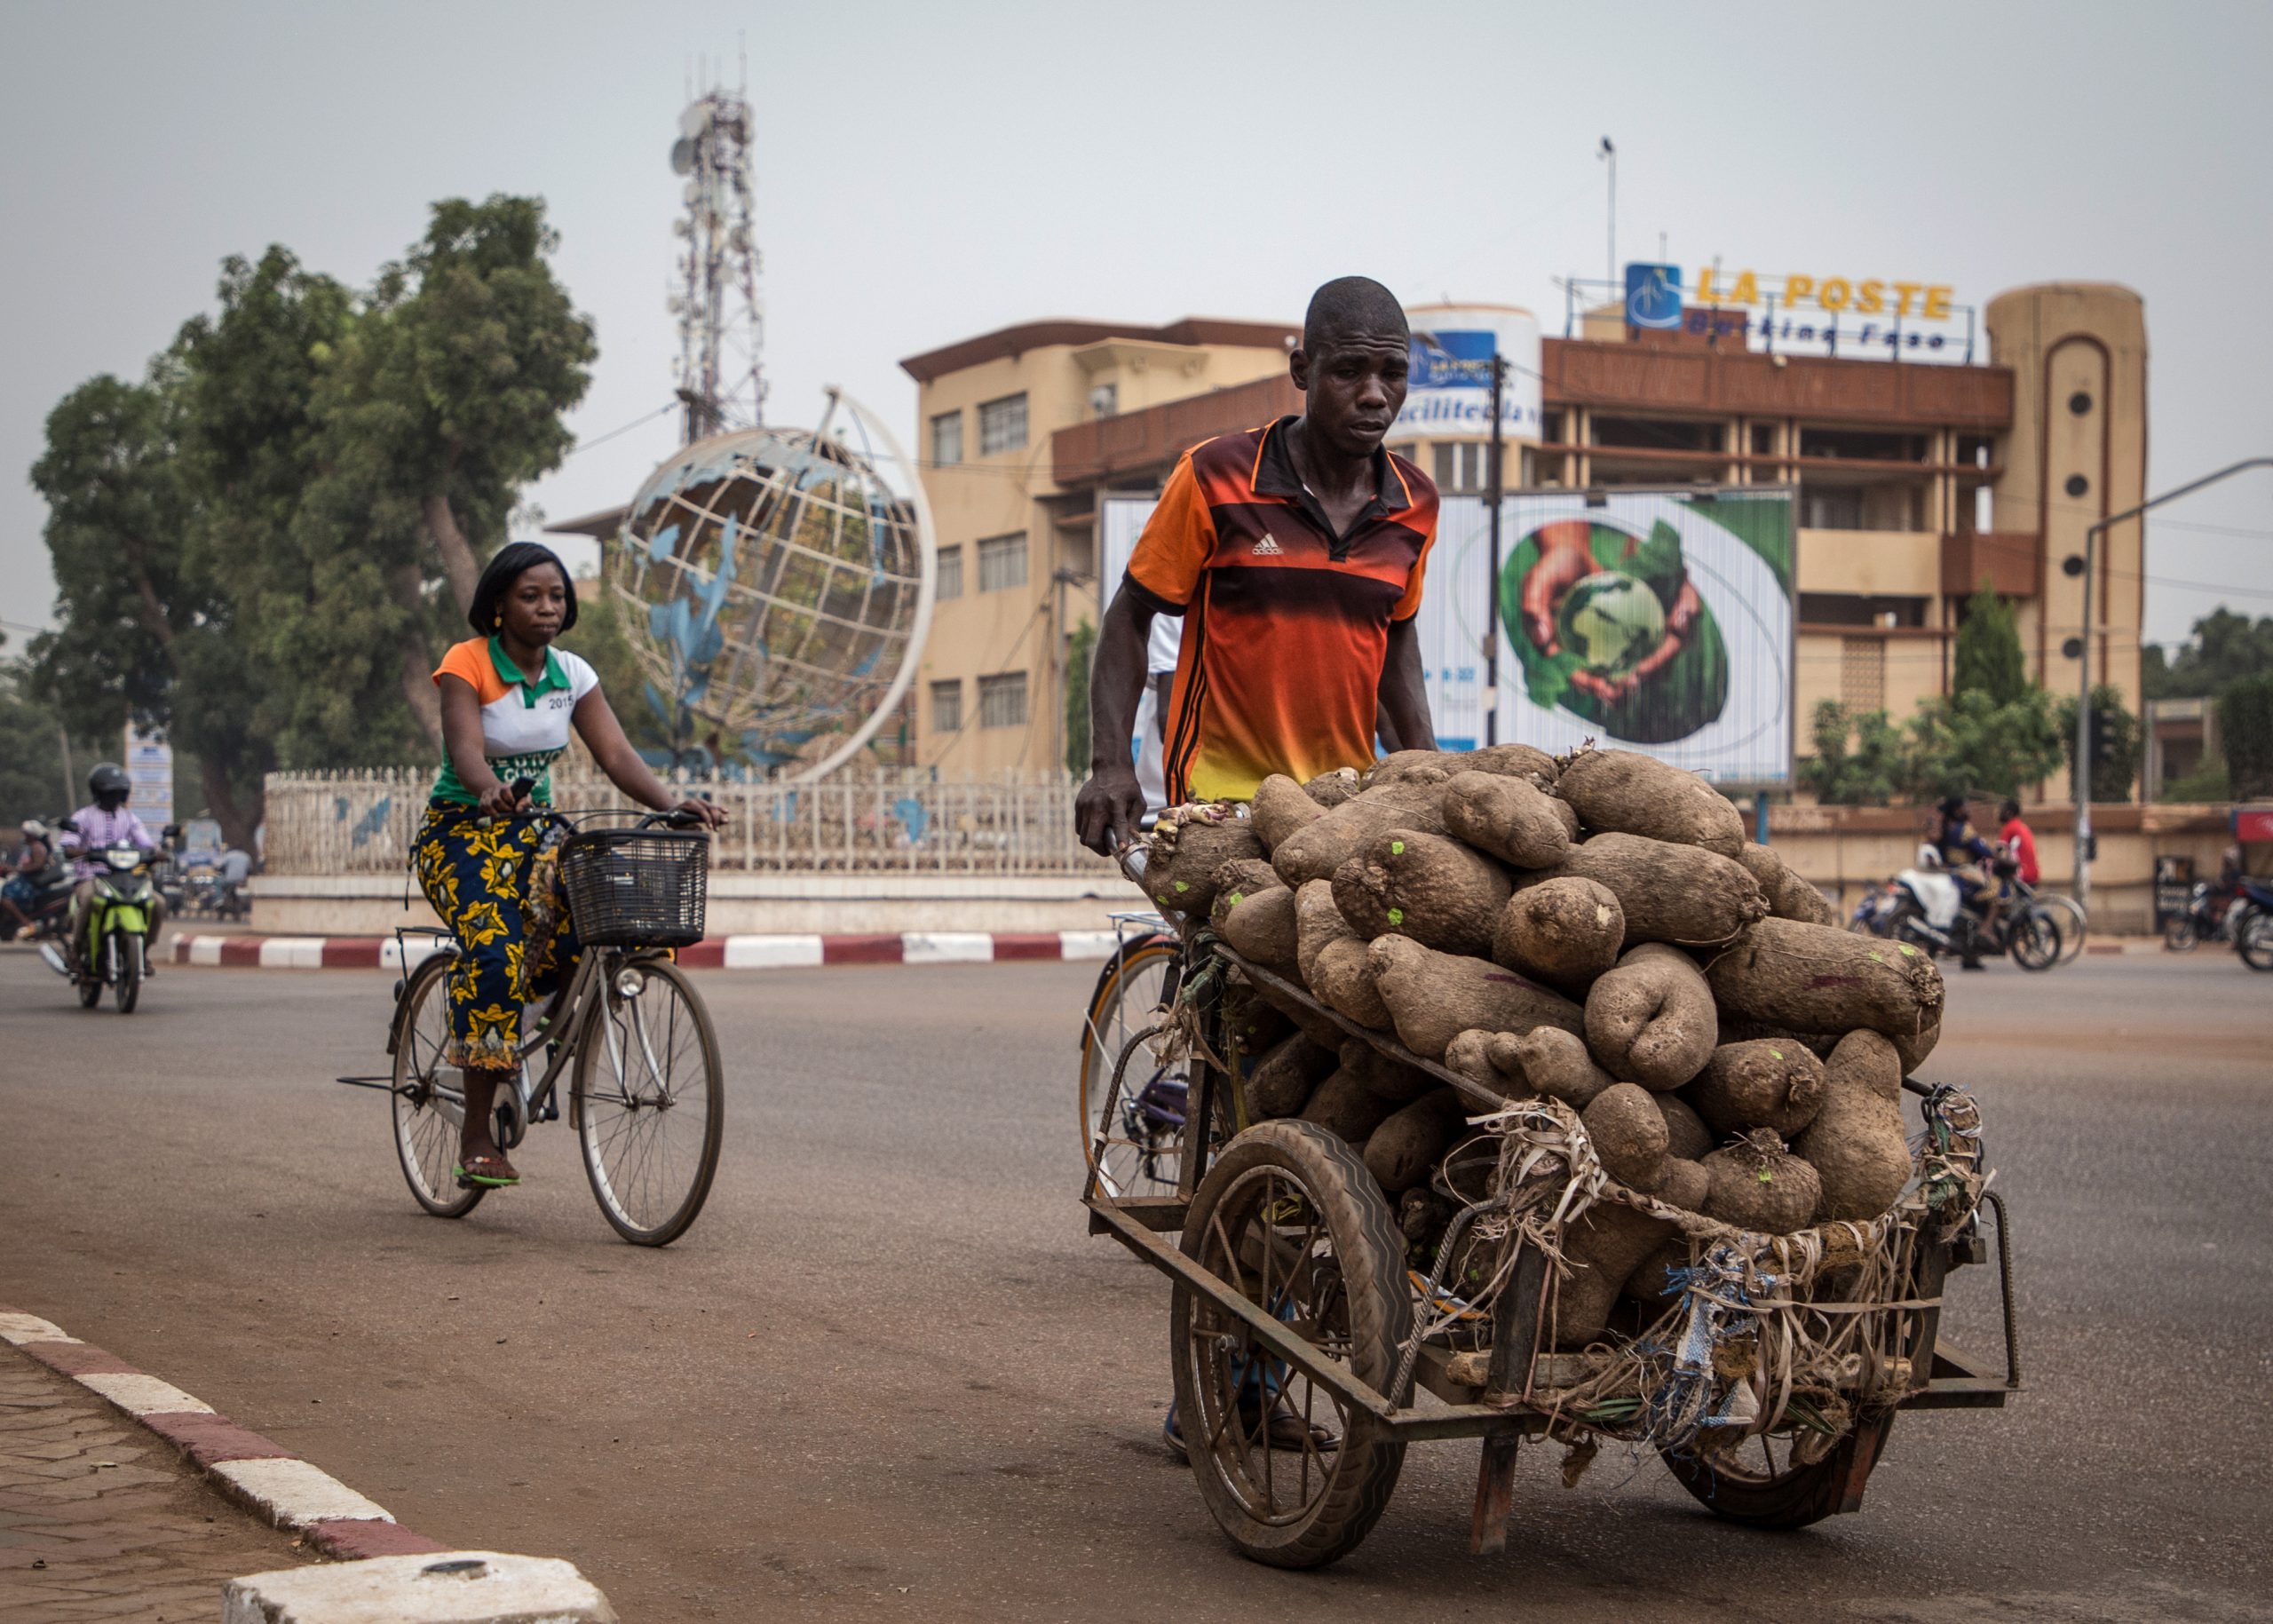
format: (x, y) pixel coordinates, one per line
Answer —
(1267, 548)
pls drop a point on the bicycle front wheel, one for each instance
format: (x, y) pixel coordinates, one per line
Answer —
(650, 1099)
(1135, 1139)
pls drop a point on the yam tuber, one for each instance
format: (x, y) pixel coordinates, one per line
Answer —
(1818, 978)
(1433, 997)
(1634, 793)
(1280, 806)
(1651, 1020)
(1320, 847)
(1761, 1082)
(1409, 1142)
(1758, 1186)
(1566, 931)
(1551, 1061)
(1281, 1081)
(1628, 1135)
(1668, 892)
(1856, 1143)
(1789, 896)
(1428, 887)
(1510, 817)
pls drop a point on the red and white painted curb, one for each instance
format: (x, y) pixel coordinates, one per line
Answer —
(267, 1478)
(775, 952)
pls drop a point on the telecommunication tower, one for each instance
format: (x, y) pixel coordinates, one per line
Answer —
(721, 327)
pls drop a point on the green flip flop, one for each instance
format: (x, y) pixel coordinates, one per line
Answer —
(486, 1181)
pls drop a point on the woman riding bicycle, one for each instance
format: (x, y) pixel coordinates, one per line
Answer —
(509, 701)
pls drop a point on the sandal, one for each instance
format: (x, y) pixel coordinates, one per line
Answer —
(490, 1172)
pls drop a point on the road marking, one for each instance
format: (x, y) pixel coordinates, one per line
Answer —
(947, 947)
(142, 1395)
(774, 952)
(293, 1493)
(15, 1328)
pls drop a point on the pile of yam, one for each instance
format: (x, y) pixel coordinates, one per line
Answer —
(1594, 929)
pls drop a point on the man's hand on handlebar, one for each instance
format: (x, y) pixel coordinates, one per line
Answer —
(694, 810)
(1108, 808)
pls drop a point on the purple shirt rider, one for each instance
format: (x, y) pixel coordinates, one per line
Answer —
(98, 828)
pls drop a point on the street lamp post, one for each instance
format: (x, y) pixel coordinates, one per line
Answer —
(1609, 155)
(1493, 487)
(2083, 772)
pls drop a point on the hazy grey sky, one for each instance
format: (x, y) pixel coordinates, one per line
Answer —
(927, 171)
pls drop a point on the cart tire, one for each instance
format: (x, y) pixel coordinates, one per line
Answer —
(1292, 1508)
(1792, 1499)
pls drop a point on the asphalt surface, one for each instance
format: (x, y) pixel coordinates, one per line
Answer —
(888, 1375)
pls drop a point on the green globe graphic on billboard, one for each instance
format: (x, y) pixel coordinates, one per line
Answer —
(1655, 619)
(1609, 622)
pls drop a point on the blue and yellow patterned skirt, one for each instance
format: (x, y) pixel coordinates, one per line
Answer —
(496, 883)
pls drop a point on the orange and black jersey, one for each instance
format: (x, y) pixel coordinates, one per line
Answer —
(1285, 624)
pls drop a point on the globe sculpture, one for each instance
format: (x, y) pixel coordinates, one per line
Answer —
(1611, 621)
(777, 584)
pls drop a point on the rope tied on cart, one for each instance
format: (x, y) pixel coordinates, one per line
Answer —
(1745, 1346)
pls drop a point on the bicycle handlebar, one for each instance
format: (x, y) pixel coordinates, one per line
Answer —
(524, 788)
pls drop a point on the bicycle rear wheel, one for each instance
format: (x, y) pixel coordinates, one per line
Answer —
(650, 1099)
(429, 1112)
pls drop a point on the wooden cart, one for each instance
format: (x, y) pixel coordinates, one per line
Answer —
(1310, 1351)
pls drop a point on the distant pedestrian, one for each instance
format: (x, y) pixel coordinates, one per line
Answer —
(2018, 840)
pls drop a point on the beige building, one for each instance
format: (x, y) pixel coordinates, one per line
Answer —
(1017, 570)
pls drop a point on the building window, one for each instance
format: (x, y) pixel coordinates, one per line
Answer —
(1657, 433)
(1763, 439)
(1862, 673)
(949, 584)
(1832, 509)
(1002, 563)
(1550, 428)
(1463, 467)
(1001, 425)
(1002, 700)
(946, 707)
(946, 439)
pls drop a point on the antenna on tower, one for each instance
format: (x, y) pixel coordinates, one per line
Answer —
(721, 326)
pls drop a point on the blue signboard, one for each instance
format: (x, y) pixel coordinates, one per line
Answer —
(1653, 296)
(1451, 361)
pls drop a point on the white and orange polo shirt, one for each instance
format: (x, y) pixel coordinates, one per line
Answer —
(525, 725)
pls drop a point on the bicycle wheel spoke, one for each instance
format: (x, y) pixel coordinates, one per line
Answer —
(645, 1090)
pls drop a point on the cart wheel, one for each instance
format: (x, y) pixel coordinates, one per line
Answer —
(1289, 1218)
(1759, 1483)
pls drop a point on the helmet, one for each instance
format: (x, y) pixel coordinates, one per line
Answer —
(109, 779)
(1929, 855)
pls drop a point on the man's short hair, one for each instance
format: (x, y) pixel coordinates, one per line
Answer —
(1352, 306)
(2008, 809)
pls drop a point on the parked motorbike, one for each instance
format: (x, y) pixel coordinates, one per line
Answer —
(2250, 921)
(114, 949)
(2209, 916)
(1924, 906)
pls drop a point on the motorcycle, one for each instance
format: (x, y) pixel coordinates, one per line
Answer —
(2210, 915)
(50, 909)
(1925, 906)
(2250, 921)
(113, 950)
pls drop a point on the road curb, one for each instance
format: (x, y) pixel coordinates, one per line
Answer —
(755, 951)
(263, 1477)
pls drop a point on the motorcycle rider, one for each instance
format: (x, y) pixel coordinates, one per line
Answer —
(22, 889)
(105, 823)
(1970, 860)
(2019, 840)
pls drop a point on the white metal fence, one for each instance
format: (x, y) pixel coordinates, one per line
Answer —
(902, 822)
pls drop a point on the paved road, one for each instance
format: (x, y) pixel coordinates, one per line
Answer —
(888, 1376)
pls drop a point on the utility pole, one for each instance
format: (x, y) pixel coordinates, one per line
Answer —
(1492, 489)
(2082, 776)
(1610, 272)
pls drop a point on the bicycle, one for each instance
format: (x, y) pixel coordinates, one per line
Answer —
(1134, 1140)
(627, 1025)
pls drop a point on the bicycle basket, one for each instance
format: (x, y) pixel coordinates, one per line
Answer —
(636, 888)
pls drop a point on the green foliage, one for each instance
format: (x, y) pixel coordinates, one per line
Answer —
(1988, 658)
(2115, 768)
(2225, 648)
(2207, 785)
(1968, 744)
(2246, 728)
(32, 781)
(1858, 760)
(1965, 745)
(1080, 650)
(266, 546)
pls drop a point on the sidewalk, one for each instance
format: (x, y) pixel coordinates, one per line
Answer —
(100, 1519)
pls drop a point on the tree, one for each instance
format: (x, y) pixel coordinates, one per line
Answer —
(445, 399)
(33, 782)
(1080, 648)
(1872, 771)
(1968, 744)
(1988, 657)
(2223, 649)
(2245, 724)
(2115, 764)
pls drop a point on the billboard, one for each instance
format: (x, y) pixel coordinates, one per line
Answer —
(150, 769)
(1656, 621)
(1448, 382)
